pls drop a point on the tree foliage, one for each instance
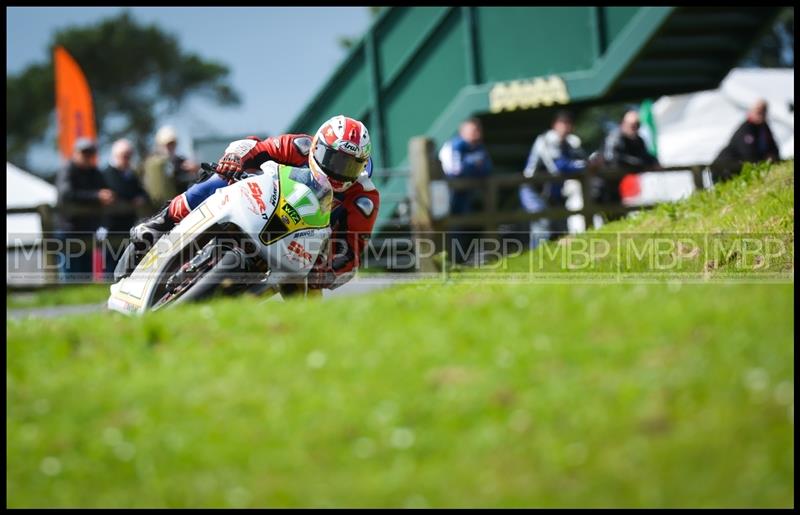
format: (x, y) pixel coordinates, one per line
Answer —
(137, 73)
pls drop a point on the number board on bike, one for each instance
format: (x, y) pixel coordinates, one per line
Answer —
(298, 207)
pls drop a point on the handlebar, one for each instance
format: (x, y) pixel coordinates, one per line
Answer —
(244, 174)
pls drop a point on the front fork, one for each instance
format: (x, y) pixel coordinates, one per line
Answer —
(131, 257)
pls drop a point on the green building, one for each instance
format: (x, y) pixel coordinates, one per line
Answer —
(421, 70)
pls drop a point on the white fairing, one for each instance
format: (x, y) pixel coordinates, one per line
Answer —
(290, 257)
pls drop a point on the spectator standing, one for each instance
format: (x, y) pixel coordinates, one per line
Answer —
(166, 174)
(752, 142)
(624, 149)
(121, 179)
(79, 184)
(465, 156)
(555, 152)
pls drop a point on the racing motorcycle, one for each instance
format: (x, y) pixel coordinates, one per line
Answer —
(262, 232)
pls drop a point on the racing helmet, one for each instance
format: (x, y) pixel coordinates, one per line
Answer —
(341, 150)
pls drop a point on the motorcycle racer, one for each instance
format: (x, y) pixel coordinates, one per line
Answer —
(340, 149)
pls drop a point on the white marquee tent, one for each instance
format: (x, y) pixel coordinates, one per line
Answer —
(693, 128)
(24, 190)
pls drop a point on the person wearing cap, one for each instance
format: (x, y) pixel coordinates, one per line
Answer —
(81, 184)
(556, 152)
(166, 174)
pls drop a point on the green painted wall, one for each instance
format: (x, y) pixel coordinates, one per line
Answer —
(396, 40)
(617, 18)
(521, 42)
(429, 83)
(423, 61)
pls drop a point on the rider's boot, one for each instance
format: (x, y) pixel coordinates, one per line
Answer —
(150, 230)
(143, 236)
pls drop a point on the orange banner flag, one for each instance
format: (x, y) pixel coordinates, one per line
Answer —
(74, 108)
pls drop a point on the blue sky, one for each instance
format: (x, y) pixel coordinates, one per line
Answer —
(250, 40)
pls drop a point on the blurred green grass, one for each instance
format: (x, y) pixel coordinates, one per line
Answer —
(569, 395)
(58, 296)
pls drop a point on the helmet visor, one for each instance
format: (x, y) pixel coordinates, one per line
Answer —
(337, 164)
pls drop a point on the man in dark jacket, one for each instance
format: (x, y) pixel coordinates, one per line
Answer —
(624, 149)
(81, 184)
(123, 181)
(752, 142)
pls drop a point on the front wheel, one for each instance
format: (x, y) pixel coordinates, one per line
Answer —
(219, 269)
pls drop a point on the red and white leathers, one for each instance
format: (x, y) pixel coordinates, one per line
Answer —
(352, 220)
(353, 216)
(287, 149)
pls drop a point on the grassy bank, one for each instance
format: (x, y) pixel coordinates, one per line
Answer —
(740, 229)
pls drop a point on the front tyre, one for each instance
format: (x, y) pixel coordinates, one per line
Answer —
(222, 269)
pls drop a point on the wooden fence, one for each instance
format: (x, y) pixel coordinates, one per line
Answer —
(426, 171)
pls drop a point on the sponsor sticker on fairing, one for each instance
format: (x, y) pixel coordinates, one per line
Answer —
(255, 189)
(299, 253)
(292, 212)
(250, 200)
(273, 198)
